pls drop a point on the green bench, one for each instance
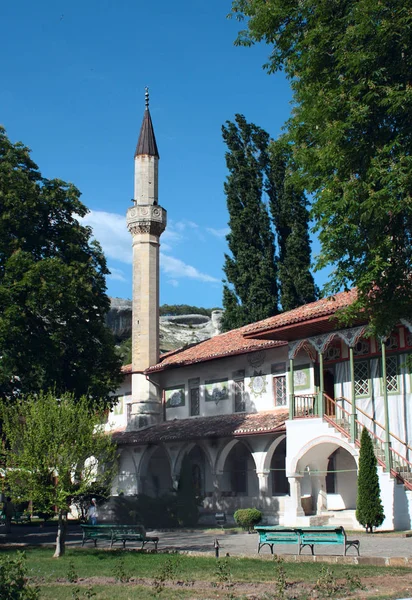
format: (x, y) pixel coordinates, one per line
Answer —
(305, 536)
(270, 535)
(117, 533)
(18, 517)
(313, 536)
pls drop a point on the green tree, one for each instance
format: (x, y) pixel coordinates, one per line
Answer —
(55, 451)
(52, 287)
(350, 68)
(250, 291)
(288, 207)
(369, 509)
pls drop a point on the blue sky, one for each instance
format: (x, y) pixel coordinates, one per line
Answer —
(72, 89)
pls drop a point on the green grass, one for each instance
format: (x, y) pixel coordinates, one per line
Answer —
(102, 563)
(52, 575)
(115, 592)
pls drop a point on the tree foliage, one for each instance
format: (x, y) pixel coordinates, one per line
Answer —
(184, 309)
(55, 450)
(350, 68)
(52, 287)
(369, 509)
(250, 291)
(288, 207)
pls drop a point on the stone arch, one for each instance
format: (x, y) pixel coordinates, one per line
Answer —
(271, 450)
(186, 449)
(225, 451)
(237, 468)
(312, 461)
(323, 439)
(154, 471)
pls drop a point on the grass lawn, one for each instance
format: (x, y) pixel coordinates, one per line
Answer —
(121, 575)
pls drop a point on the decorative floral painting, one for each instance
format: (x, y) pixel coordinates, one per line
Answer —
(175, 397)
(301, 378)
(215, 391)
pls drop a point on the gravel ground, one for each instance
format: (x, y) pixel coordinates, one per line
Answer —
(239, 544)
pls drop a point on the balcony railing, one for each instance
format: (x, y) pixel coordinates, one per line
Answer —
(305, 406)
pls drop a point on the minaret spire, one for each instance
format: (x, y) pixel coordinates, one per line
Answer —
(147, 141)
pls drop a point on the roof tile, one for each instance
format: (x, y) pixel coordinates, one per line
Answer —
(231, 425)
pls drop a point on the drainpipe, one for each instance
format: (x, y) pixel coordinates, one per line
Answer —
(386, 409)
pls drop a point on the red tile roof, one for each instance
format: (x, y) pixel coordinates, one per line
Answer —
(227, 344)
(320, 308)
(243, 340)
(195, 428)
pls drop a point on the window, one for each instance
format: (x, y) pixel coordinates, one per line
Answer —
(240, 403)
(392, 382)
(361, 369)
(194, 395)
(279, 390)
(194, 402)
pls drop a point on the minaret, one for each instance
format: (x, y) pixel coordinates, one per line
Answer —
(146, 221)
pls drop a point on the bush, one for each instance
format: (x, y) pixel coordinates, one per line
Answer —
(369, 509)
(13, 579)
(247, 517)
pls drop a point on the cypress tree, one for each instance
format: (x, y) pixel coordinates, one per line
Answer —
(369, 509)
(250, 291)
(288, 207)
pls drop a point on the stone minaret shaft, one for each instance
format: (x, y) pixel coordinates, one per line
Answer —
(146, 221)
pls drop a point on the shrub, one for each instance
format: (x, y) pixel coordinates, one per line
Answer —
(247, 517)
(369, 509)
(13, 579)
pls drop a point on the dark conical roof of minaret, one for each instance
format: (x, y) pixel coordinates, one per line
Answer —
(147, 141)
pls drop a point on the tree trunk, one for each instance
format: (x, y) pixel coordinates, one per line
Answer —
(61, 535)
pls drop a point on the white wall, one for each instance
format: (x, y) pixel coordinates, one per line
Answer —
(275, 359)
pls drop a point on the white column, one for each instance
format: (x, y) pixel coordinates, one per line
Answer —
(263, 478)
(295, 505)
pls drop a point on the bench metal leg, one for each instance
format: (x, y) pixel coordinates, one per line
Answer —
(301, 546)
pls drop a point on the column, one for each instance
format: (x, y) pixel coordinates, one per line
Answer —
(386, 409)
(319, 483)
(217, 485)
(296, 509)
(353, 396)
(321, 397)
(263, 478)
(291, 390)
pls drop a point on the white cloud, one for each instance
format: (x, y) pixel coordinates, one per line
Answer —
(111, 231)
(116, 274)
(178, 269)
(219, 233)
(173, 282)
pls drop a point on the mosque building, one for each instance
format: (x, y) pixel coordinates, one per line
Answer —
(269, 415)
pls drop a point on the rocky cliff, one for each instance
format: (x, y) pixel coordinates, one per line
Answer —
(175, 331)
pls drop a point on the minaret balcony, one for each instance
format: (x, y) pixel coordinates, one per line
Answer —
(146, 218)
